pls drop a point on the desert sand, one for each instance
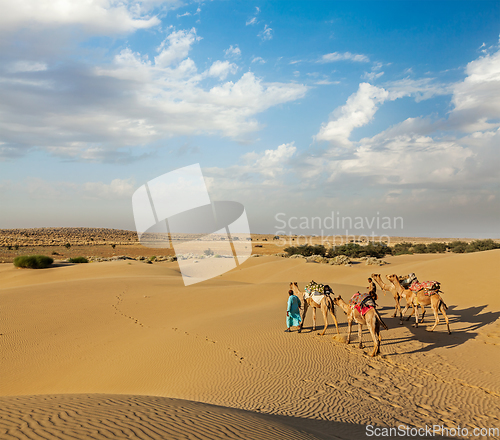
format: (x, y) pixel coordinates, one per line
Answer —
(124, 350)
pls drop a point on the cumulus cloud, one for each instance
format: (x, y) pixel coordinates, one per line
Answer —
(83, 111)
(358, 111)
(95, 16)
(220, 69)
(255, 171)
(337, 56)
(476, 100)
(175, 47)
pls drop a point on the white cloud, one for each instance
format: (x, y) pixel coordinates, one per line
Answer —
(176, 47)
(220, 69)
(421, 89)
(266, 34)
(251, 21)
(358, 111)
(265, 169)
(26, 66)
(96, 16)
(118, 188)
(258, 60)
(233, 51)
(132, 101)
(337, 56)
(476, 100)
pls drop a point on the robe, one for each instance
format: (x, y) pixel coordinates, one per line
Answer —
(293, 318)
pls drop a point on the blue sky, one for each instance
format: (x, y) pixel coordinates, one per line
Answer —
(295, 109)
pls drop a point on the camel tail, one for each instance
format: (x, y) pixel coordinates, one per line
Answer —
(442, 304)
(379, 319)
(331, 305)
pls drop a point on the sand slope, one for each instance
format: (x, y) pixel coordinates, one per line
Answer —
(133, 329)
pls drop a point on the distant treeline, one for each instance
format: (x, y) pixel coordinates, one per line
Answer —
(380, 250)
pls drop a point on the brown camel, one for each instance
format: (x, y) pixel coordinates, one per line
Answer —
(326, 305)
(420, 298)
(407, 304)
(389, 288)
(371, 319)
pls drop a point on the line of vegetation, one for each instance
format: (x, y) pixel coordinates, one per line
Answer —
(78, 260)
(33, 261)
(379, 250)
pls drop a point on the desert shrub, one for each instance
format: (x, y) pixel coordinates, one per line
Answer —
(78, 260)
(306, 250)
(420, 248)
(354, 250)
(55, 253)
(402, 248)
(113, 246)
(9, 248)
(208, 252)
(67, 245)
(458, 247)
(436, 247)
(33, 261)
(16, 247)
(482, 245)
(153, 258)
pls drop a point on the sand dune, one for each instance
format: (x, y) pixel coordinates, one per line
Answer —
(99, 341)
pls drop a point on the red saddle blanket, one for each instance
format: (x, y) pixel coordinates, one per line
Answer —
(362, 309)
(362, 302)
(427, 285)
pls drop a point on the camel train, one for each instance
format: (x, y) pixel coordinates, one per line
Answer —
(362, 309)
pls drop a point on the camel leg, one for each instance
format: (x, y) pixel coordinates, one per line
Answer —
(349, 328)
(423, 312)
(436, 317)
(398, 307)
(324, 309)
(335, 321)
(415, 308)
(373, 332)
(374, 327)
(443, 311)
(314, 318)
(403, 313)
(303, 315)
(360, 335)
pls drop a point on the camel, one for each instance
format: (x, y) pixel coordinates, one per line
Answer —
(389, 288)
(326, 305)
(420, 298)
(402, 314)
(371, 319)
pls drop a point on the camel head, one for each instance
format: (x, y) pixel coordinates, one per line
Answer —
(336, 299)
(375, 275)
(392, 277)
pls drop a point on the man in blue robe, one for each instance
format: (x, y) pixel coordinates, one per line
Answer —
(293, 318)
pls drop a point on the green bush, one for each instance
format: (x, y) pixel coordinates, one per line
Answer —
(402, 248)
(33, 261)
(419, 248)
(67, 245)
(78, 260)
(436, 247)
(458, 247)
(306, 250)
(482, 245)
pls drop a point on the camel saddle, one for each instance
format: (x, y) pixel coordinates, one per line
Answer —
(407, 280)
(362, 302)
(430, 286)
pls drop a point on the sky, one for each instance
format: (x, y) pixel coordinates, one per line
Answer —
(383, 115)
